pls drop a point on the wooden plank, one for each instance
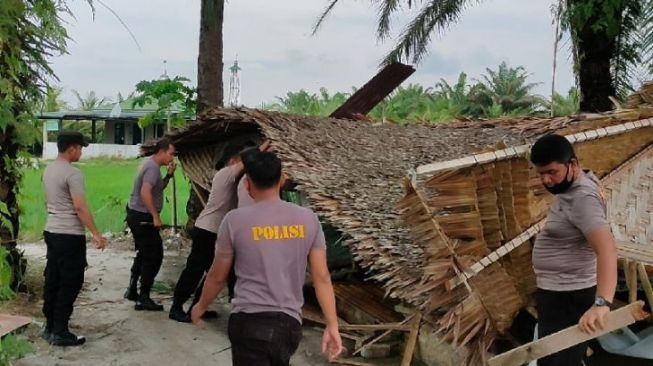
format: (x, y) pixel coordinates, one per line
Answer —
(374, 91)
(342, 361)
(568, 337)
(412, 340)
(386, 326)
(646, 284)
(9, 323)
(378, 338)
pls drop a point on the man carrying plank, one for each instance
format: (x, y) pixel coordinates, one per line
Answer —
(574, 256)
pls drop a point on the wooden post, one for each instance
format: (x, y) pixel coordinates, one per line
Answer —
(412, 340)
(568, 337)
(93, 131)
(632, 289)
(646, 284)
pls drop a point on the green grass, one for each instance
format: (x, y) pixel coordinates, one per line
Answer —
(108, 186)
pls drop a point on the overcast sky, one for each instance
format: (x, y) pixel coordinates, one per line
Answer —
(277, 53)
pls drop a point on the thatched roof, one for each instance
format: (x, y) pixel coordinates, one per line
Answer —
(352, 171)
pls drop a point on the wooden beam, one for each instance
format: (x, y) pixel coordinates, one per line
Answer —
(372, 93)
(568, 337)
(412, 340)
(646, 284)
(381, 336)
(386, 326)
(632, 289)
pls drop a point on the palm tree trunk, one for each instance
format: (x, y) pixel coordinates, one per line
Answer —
(209, 65)
(596, 50)
(210, 92)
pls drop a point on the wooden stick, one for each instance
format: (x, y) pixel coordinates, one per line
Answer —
(632, 290)
(342, 361)
(412, 340)
(646, 284)
(380, 336)
(568, 337)
(385, 326)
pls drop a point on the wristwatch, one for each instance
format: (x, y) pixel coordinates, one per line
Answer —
(600, 301)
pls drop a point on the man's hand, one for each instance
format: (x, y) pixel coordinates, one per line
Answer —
(196, 315)
(593, 319)
(100, 241)
(331, 342)
(157, 222)
(171, 168)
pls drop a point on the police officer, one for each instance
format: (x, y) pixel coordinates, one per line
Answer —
(144, 221)
(68, 216)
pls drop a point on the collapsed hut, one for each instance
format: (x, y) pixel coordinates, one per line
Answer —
(420, 238)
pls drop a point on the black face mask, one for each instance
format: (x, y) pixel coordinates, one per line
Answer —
(563, 186)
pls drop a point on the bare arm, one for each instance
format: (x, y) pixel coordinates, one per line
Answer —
(85, 216)
(331, 342)
(602, 241)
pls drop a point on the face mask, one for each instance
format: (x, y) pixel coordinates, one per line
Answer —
(562, 186)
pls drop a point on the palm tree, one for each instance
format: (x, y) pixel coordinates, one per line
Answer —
(90, 100)
(603, 37)
(506, 92)
(52, 101)
(566, 105)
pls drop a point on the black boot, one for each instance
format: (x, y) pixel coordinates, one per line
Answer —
(65, 338)
(145, 303)
(177, 313)
(132, 291)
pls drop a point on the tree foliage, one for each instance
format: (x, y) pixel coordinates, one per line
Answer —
(172, 99)
(30, 32)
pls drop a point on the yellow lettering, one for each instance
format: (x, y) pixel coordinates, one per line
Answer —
(301, 231)
(276, 232)
(257, 231)
(285, 234)
(268, 232)
(294, 231)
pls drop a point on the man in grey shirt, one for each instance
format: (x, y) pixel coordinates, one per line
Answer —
(144, 221)
(65, 238)
(270, 244)
(222, 199)
(574, 256)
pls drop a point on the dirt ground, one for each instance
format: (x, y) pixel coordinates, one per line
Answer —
(118, 335)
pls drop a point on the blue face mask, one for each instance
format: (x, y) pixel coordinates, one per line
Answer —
(563, 186)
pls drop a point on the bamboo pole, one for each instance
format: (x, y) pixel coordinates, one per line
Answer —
(412, 340)
(646, 284)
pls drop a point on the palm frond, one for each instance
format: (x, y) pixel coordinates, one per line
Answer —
(435, 16)
(324, 15)
(388, 7)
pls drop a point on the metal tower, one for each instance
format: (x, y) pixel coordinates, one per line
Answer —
(234, 85)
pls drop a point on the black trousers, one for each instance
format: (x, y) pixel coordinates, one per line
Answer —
(199, 261)
(64, 277)
(558, 310)
(149, 248)
(263, 339)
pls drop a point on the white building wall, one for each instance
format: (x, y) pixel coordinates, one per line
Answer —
(96, 151)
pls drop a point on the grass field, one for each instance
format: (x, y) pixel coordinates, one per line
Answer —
(108, 186)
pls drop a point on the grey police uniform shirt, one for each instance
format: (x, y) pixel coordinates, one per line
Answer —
(149, 172)
(563, 260)
(61, 180)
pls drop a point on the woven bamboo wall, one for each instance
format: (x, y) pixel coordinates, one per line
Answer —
(480, 207)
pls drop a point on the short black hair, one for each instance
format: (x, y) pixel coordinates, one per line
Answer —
(66, 139)
(162, 144)
(263, 168)
(552, 148)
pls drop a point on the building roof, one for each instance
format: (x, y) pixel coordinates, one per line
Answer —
(116, 111)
